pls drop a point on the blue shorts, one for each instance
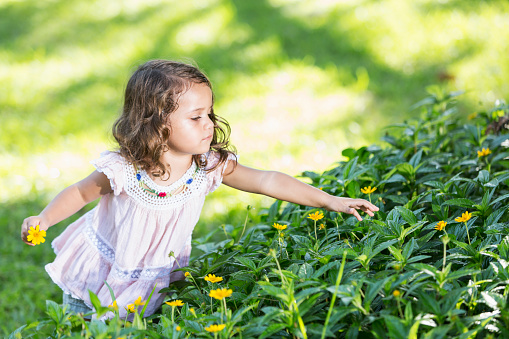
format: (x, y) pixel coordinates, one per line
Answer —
(76, 305)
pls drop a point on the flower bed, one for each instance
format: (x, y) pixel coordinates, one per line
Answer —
(432, 263)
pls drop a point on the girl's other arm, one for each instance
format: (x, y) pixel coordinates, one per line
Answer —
(68, 202)
(284, 187)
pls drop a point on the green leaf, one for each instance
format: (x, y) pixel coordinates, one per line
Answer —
(396, 253)
(246, 262)
(353, 189)
(395, 327)
(461, 202)
(416, 159)
(271, 329)
(54, 311)
(349, 168)
(147, 301)
(503, 197)
(305, 271)
(407, 215)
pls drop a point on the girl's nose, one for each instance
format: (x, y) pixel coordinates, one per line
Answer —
(209, 123)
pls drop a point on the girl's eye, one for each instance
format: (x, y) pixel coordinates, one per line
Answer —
(196, 118)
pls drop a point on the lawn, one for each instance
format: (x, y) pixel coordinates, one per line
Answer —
(299, 81)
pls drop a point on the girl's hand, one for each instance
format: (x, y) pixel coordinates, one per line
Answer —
(350, 206)
(32, 222)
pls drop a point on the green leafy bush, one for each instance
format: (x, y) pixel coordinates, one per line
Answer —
(400, 274)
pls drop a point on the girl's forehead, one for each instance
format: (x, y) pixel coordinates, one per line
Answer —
(197, 94)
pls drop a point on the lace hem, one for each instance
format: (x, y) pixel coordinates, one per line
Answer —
(108, 253)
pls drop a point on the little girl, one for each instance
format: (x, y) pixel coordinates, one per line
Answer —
(173, 151)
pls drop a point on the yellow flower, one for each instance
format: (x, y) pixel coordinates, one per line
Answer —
(215, 328)
(396, 293)
(178, 328)
(441, 225)
(114, 306)
(279, 226)
(464, 217)
(174, 303)
(130, 308)
(192, 311)
(483, 152)
(220, 293)
(322, 226)
(187, 274)
(368, 190)
(138, 302)
(316, 216)
(36, 236)
(213, 279)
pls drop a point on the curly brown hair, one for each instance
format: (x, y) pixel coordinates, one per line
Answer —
(151, 95)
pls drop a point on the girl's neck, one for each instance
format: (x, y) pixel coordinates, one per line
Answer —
(176, 167)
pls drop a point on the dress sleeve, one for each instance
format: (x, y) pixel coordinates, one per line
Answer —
(215, 177)
(112, 165)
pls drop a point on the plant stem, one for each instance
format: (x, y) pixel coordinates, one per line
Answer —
(467, 233)
(245, 223)
(399, 309)
(445, 254)
(316, 237)
(333, 300)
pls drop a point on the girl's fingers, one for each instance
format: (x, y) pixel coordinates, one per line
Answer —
(27, 223)
(356, 214)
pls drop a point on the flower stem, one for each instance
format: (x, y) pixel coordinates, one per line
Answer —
(316, 237)
(467, 233)
(333, 300)
(445, 254)
(245, 223)
(399, 309)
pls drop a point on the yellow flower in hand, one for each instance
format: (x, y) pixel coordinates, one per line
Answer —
(215, 328)
(316, 216)
(483, 152)
(279, 226)
(220, 293)
(464, 217)
(174, 303)
(213, 279)
(138, 302)
(36, 236)
(441, 225)
(368, 190)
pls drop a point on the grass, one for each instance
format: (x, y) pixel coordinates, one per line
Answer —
(299, 81)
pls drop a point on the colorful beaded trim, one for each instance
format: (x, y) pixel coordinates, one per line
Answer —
(153, 192)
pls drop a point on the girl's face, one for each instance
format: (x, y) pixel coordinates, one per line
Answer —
(191, 129)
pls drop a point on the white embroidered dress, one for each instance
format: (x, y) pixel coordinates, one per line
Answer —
(126, 239)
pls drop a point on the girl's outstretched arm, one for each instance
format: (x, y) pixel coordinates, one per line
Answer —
(284, 187)
(68, 202)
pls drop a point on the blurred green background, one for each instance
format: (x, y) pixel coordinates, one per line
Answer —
(298, 81)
